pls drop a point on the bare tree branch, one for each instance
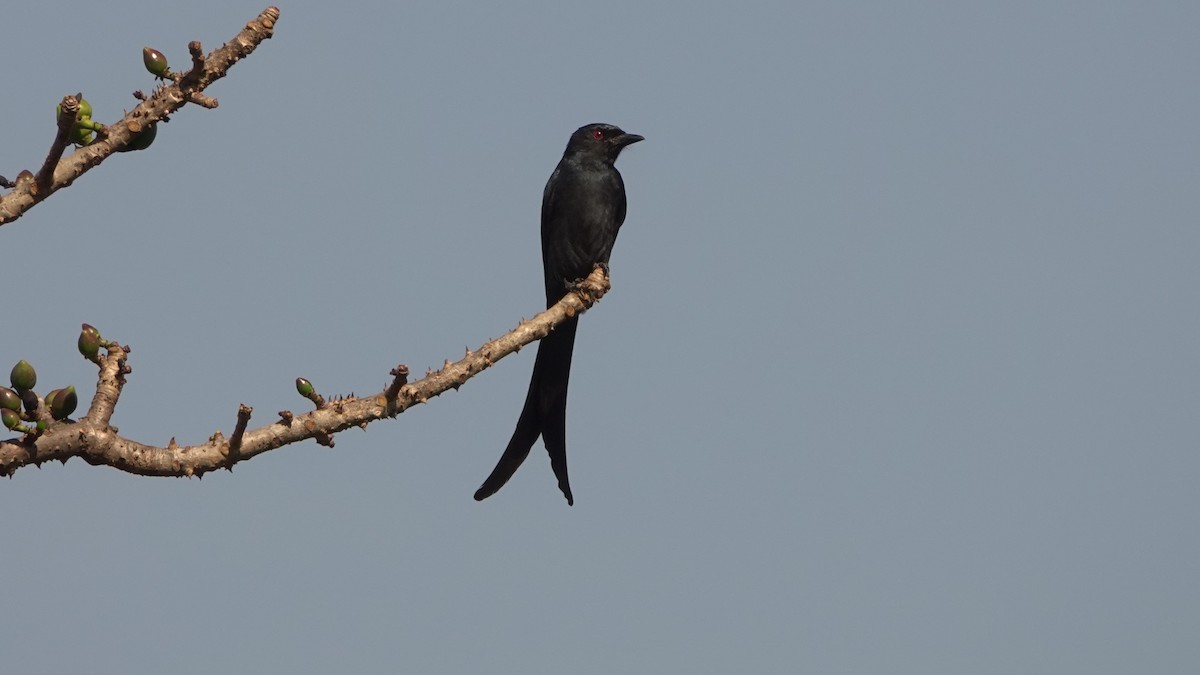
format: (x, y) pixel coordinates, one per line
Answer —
(92, 438)
(186, 88)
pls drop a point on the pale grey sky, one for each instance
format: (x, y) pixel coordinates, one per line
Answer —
(898, 374)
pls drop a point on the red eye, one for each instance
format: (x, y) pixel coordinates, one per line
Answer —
(597, 134)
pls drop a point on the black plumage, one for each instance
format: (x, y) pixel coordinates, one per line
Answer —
(583, 207)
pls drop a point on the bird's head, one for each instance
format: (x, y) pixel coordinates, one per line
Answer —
(601, 140)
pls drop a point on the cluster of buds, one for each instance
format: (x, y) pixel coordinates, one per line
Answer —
(84, 128)
(60, 402)
(21, 403)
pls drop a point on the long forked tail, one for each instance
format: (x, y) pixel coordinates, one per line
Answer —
(544, 414)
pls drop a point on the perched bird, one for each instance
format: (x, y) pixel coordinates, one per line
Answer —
(583, 206)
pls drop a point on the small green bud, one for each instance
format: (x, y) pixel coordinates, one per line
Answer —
(89, 342)
(11, 419)
(23, 376)
(9, 400)
(142, 139)
(155, 62)
(63, 404)
(304, 387)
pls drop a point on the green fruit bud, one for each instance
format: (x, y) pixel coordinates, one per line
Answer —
(9, 400)
(81, 132)
(11, 419)
(64, 403)
(142, 139)
(23, 376)
(304, 387)
(155, 62)
(81, 136)
(89, 342)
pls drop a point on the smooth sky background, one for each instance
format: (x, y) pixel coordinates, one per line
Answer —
(899, 372)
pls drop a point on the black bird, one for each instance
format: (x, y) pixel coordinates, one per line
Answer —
(583, 206)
